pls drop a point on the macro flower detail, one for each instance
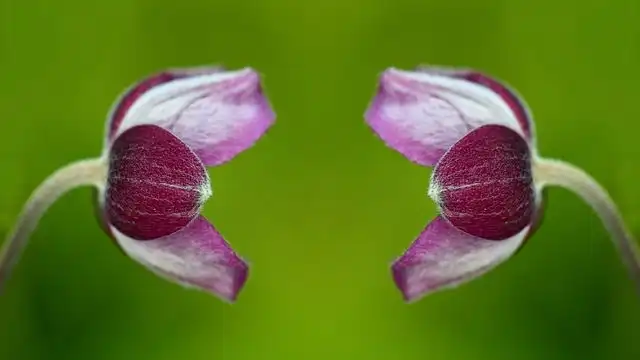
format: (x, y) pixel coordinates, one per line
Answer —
(153, 191)
(487, 180)
(151, 178)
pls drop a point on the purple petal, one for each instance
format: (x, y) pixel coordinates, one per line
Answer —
(196, 256)
(484, 185)
(218, 115)
(443, 257)
(422, 114)
(509, 95)
(156, 185)
(132, 94)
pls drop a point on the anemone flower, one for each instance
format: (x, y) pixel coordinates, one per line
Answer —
(151, 178)
(487, 180)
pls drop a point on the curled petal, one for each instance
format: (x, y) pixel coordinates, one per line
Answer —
(509, 95)
(443, 257)
(484, 185)
(542, 200)
(196, 256)
(132, 94)
(155, 186)
(422, 114)
(218, 115)
(98, 208)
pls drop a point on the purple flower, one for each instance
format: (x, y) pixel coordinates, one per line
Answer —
(151, 178)
(487, 179)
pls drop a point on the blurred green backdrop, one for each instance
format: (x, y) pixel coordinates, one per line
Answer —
(320, 206)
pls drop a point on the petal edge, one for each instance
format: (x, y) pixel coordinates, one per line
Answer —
(218, 115)
(509, 95)
(421, 114)
(195, 257)
(444, 257)
(130, 95)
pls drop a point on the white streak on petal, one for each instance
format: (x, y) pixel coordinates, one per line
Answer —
(196, 256)
(217, 114)
(163, 103)
(422, 115)
(443, 257)
(474, 101)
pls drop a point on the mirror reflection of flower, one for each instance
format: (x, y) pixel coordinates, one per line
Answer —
(488, 178)
(151, 178)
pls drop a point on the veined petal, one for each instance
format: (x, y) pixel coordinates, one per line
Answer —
(443, 257)
(218, 115)
(422, 114)
(508, 94)
(133, 93)
(484, 184)
(196, 256)
(155, 185)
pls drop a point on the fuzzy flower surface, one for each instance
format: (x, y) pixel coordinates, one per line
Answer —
(161, 135)
(151, 178)
(478, 135)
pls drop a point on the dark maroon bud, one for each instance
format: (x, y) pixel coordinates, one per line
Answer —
(156, 185)
(483, 184)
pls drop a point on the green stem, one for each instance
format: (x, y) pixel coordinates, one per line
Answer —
(80, 173)
(555, 172)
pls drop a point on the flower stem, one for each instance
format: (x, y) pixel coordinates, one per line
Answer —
(560, 173)
(80, 173)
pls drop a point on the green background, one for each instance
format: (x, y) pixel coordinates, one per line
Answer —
(320, 206)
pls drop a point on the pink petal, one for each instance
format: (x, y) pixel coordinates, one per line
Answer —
(133, 93)
(509, 95)
(196, 256)
(218, 115)
(155, 185)
(484, 184)
(443, 257)
(422, 114)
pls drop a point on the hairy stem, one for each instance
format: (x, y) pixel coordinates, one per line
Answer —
(80, 173)
(555, 172)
